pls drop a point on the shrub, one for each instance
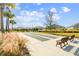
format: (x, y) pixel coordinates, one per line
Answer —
(13, 45)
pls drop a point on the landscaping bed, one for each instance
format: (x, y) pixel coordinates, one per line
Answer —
(62, 34)
(11, 44)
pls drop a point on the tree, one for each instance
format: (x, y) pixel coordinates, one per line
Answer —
(12, 22)
(8, 14)
(49, 20)
(2, 7)
(1, 17)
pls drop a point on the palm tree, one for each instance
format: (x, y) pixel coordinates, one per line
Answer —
(1, 17)
(12, 22)
(2, 7)
(8, 15)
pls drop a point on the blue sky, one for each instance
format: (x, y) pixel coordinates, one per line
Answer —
(33, 14)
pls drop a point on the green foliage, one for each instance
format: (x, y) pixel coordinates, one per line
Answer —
(8, 14)
(5, 13)
(12, 22)
(11, 5)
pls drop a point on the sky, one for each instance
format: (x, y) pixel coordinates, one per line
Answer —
(34, 14)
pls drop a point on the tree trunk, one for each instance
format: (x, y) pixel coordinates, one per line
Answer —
(1, 16)
(12, 26)
(7, 24)
(7, 20)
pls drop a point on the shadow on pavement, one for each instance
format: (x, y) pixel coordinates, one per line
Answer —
(68, 48)
(77, 52)
(75, 42)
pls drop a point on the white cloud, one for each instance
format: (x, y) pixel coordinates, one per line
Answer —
(53, 10)
(56, 17)
(29, 18)
(32, 18)
(32, 13)
(65, 9)
(41, 9)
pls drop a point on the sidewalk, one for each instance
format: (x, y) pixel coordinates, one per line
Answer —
(48, 48)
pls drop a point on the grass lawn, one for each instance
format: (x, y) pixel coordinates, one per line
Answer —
(67, 34)
(63, 34)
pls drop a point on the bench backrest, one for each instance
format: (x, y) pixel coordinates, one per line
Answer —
(73, 36)
(65, 39)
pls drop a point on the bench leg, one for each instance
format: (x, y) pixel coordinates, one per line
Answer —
(56, 43)
(61, 45)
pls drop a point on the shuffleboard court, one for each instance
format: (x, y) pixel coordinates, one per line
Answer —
(36, 36)
(49, 36)
(70, 48)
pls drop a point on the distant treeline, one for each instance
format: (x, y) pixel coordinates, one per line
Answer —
(54, 30)
(23, 30)
(61, 31)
